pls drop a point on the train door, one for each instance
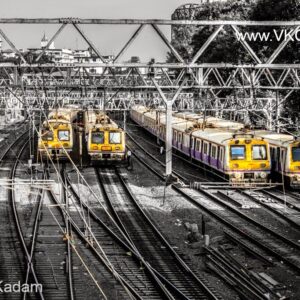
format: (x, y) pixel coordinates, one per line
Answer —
(206, 152)
(282, 159)
(186, 144)
(192, 146)
(278, 164)
(221, 158)
(273, 153)
(180, 140)
(214, 155)
(209, 155)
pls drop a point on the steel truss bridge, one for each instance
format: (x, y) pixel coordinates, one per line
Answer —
(191, 85)
(181, 85)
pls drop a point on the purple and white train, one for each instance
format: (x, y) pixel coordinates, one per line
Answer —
(216, 143)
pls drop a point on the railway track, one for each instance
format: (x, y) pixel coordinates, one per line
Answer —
(43, 248)
(149, 241)
(276, 245)
(283, 206)
(272, 242)
(33, 251)
(14, 252)
(133, 273)
(189, 176)
(248, 284)
(195, 172)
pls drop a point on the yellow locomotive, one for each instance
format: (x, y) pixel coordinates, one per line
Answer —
(56, 136)
(105, 140)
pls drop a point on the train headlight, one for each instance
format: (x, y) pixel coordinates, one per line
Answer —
(95, 148)
(263, 175)
(238, 175)
(236, 166)
(263, 165)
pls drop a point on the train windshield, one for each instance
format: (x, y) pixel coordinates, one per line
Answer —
(296, 153)
(115, 138)
(259, 152)
(237, 152)
(64, 135)
(47, 135)
(98, 137)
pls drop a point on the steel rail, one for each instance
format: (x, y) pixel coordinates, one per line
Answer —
(11, 199)
(175, 173)
(250, 220)
(242, 232)
(127, 245)
(275, 211)
(287, 202)
(185, 267)
(82, 236)
(229, 224)
(39, 200)
(69, 249)
(245, 285)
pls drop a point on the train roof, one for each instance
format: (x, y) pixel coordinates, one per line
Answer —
(210, 121)
(279, 139)
(177, 123)
(140, 108)
(99, 119)
(214, 135)
(63, 115)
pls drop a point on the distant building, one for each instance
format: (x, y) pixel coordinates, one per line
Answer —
(63, 55)
(44, 43)
(8, 53)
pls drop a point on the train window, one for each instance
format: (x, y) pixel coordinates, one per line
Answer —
(221, 154)
(205, 148)
(237, 152)
(98, 137)
(115, 138)
(192, 141)
(179, 138)
(259, 152)
(64, 135)
(186, 140)
(47, 135)
(198, 144)
(214, 151)
(296, 153)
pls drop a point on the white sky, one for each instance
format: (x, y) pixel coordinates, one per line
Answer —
(108, 39)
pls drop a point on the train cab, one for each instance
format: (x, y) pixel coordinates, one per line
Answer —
(56, 135)
(106, 142)
(248, 158)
